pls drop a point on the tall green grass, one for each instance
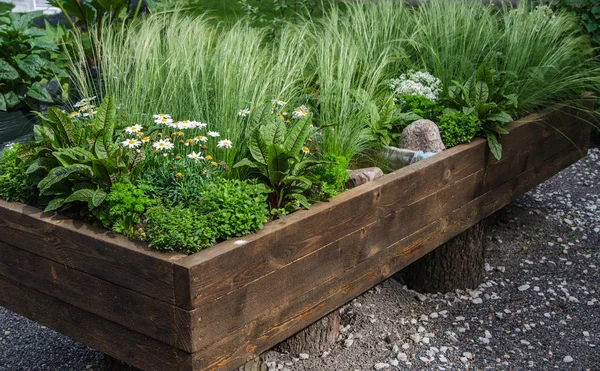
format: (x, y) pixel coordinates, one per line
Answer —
(339, 65)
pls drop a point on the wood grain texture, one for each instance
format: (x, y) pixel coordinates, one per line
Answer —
(304, 232)
(91, 250)
(156, 319)
(117, 341)
(273, 326)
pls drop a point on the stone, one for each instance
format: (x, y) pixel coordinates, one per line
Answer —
(303, 356)
(568, 359)
(422, 135)
(363, 176)
(381, 366)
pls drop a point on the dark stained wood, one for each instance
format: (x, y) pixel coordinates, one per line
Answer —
(117, 341)
(301, 233)
(157, 319)
(113, 364)
(92, 250)
(273, 326)
(316, 338)
(230, 303)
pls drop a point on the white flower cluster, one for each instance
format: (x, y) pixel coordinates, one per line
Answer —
(164, 119)
(416, 83)
(84, 107)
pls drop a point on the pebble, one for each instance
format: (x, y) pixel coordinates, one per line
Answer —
(303, 355)
(568, 359)
(381, 366)
(402, 357)
(523, 287)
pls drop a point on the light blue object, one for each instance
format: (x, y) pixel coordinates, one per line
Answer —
(420, 155)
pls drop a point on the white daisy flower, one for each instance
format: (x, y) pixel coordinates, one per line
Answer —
(74, 114)
(133, 129)
(186, 124)
(195, 156)
(161, 144)
(169, 145)
(145, 139)
(199, 125)
(200, 138)
(278, 102)
(245, 112)
(163, 120)
(305, 150)
(225, 143)
(161, 116)
(131, 143)
(213, 134)
(299, 113)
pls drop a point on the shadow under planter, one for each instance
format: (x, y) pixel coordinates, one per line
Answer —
(223, 306)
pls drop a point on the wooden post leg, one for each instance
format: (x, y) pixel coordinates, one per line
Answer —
(316, 338)
(457, 264)
(113, 364)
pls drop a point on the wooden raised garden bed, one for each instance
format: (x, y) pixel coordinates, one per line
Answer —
(220, 307)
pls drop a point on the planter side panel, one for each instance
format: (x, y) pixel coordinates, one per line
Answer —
(96, 332)
(388, 228)
(91, 250)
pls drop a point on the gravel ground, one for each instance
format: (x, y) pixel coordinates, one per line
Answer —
(539, 307)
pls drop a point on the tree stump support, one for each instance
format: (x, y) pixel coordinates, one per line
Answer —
(457, 264)
(316, 338)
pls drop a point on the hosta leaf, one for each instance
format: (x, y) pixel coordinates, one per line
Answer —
(60, 173)
(11, 98)
(7, 72)
(2, 103)
(38, 91)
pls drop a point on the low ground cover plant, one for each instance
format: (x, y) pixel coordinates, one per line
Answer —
(194, 132)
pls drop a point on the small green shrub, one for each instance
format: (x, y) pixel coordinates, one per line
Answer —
(420, 106)
(331, 177)
(456, 128)
(234, 208)
(125, 204)
(15, 185)
(178, 229)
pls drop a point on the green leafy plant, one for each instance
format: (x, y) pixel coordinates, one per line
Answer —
(280, 161)
(124, 207)
(480, 97)
(274, 13)
(588, 12)
(234, 208)
(77, 161)
(330, 177)
(456, 127)
(178, 229)
(26, 61)
(15, 185)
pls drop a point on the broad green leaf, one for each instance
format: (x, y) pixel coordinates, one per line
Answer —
(81, 195)
(31, 65)
(12, 99)
(297, 135)
(43, 45)
(34, 32)
(245, 162)
(258, 147)
(274, 132)
(495, 146)
(98, 197)
(2, 103)
(41, 132)
(63, 124)
(60, 173)
(484, 74)
(103, 168)
(42, 163)
(106, 116)
(500, 117)
(277, 163)
(301, 199)
(6, 7)
(38, 91)
(301, 182)
(55, 204)
(480, 92)
(7, 72)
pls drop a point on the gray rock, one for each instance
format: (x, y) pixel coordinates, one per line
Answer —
(422, 135)
(381, 366)
(397, 158)
(362, 176)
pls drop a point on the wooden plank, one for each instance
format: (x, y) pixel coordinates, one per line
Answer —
(156, 319)
(91, 250)
(281, 286)
(277, 324)
(303, 232)
(106, 336)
